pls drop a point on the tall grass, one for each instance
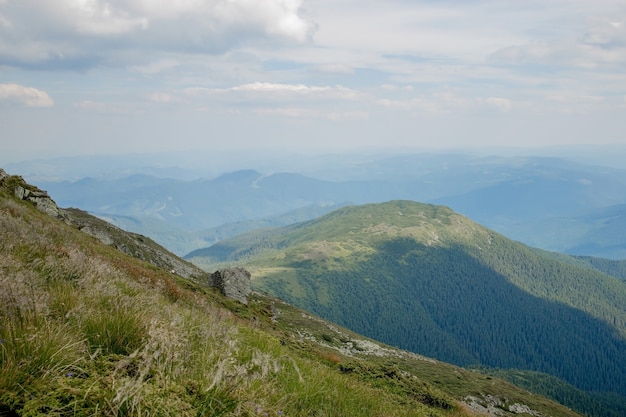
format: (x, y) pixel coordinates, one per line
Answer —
(86, 331)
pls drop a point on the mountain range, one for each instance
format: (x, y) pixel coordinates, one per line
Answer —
(427, 279)
(551, 203)
(94, 322)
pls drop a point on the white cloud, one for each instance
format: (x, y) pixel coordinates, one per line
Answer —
(376, 66)
(438, 102)
(103, 18)
(444, 102)
(156, 67)
(280, 91)
(280, 88)
(499, 103)
(290, 112)
(4, 22)
(600, 44)
(107, 108)
(38, 32)
(161, 98)
(335, 68)
(348, 115)
(572, 102)
(27, 96)
(420, 104)
(308, 113)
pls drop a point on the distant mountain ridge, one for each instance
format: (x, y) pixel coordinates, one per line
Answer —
(546, 202)
(427, 279)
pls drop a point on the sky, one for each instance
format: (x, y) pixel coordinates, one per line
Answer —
(81, 77)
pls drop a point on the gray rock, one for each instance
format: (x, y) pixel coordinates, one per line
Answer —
(232, 282)
(39, 198)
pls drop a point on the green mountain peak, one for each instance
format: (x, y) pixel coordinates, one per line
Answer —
(424, 278)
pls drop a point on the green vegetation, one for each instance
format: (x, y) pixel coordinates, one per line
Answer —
(86, 330)
(428, 280)
(608, 266)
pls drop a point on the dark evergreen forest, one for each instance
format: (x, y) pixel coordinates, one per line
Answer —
(445, 304)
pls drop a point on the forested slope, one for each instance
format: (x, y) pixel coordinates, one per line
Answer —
(424, 278)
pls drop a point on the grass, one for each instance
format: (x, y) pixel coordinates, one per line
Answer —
(86, 330)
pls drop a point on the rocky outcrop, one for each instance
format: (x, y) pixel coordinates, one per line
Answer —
(232, 282)
(492, 406)
(130, 243)
(39, 198)
(29, 193)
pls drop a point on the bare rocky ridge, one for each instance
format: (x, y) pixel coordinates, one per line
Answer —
(233, 283)
(27, 192)
(131, 244)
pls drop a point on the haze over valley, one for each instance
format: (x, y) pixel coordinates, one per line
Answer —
(313, 208)
(554, 203)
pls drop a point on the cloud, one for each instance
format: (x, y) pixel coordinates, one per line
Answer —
(572, 102)
(39, 32)
(439, 102)
(308, 113)
(335, 68)
(499, 103)
(601, 45)
(289, 112)
(348, 115)
(103, 18)
(281, 100)
(27, 96)
(161, 98)
(280, 88)
(444, 102)
(275, 91)
(156, 67)
(114, 108)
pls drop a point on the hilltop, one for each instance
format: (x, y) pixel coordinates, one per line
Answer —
(89, 329)
(429, 280)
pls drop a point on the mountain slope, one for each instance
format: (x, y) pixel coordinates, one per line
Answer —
(426, 279)
(87, 330)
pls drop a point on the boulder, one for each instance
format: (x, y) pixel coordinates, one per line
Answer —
(232, 282)
(39, 198)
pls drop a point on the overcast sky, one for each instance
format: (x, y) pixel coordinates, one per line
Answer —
(116, 76)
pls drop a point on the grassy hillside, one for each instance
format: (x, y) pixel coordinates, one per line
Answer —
(426, 279)
(87, 330)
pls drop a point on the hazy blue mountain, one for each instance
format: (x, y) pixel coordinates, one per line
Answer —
(551, 203)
